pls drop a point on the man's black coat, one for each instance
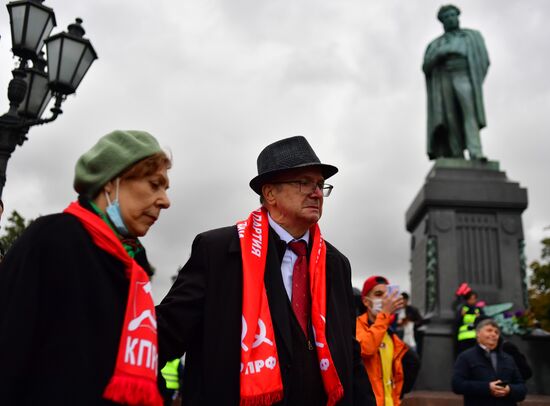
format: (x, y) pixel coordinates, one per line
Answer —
(473, 371)
(201, 316)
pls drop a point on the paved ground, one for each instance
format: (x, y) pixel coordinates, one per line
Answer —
(429, 398)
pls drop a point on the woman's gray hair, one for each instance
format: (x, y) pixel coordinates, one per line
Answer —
(487, 322)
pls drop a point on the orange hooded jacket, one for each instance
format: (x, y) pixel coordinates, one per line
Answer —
(370, 337)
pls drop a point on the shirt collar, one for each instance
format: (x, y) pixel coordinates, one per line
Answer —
(484, 348)
(285, 235)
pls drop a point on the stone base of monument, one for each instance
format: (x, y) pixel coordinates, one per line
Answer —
(437, 358)
(465, 224)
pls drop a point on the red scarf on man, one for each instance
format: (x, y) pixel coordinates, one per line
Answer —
(134, 381)
(261, 382)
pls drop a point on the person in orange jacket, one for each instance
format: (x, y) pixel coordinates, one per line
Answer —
(391, 367)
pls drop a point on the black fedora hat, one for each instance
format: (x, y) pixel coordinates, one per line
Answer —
(289, 153)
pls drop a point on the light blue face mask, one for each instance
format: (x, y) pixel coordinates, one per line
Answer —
(113, 211)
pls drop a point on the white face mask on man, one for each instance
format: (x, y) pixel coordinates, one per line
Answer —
(376, 305)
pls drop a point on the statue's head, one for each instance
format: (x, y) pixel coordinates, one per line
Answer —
(448, 15)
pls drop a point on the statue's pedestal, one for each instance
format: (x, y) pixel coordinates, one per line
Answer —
(465, 226)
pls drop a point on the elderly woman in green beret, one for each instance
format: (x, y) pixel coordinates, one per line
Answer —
(77, 320)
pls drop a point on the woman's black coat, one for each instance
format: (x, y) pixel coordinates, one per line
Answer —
(62, 304)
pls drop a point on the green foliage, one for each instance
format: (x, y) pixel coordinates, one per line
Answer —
(16, 225)
(539, 293)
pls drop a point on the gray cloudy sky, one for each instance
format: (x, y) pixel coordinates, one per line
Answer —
(216, 81)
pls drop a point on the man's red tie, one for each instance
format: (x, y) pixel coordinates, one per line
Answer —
(301, 300)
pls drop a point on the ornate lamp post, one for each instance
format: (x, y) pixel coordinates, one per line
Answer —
(35, 81)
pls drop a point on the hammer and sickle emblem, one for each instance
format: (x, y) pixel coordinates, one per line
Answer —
(261, 338)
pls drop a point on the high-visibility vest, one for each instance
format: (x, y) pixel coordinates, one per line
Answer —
(170, 374)
(466, 331)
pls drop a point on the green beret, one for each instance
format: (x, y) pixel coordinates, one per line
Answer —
(110, 156)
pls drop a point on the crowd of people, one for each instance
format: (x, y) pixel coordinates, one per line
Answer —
(263, 310)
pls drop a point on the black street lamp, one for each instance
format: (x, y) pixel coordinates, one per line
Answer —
(69, 56)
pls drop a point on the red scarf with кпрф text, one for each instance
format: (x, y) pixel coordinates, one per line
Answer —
(260, 381)
(134, 381)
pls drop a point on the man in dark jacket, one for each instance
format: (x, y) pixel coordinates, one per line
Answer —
(266, 336)
(485, 375)
(412, 315)
(511, 349)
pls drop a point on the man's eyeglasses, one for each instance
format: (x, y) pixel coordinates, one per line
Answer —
(308, 187)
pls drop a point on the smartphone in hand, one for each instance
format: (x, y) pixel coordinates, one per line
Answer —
(393, 288)
(502, 384)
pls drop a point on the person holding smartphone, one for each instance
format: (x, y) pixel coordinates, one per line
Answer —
(391, 365)
(486, 375)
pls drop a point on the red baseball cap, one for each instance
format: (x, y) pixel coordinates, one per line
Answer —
(371, 283)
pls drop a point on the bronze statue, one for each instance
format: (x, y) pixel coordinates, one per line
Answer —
(455, 65)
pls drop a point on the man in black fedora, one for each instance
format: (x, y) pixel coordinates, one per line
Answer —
(264, 309)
